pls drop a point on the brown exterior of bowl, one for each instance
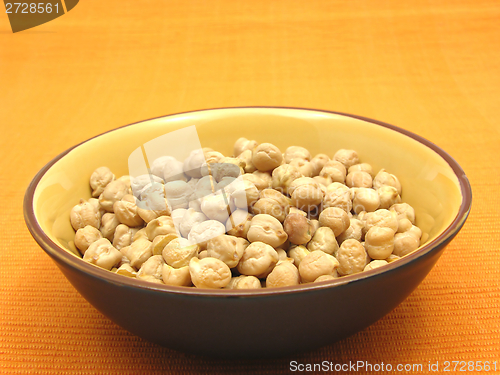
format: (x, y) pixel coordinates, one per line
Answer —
(251, 324)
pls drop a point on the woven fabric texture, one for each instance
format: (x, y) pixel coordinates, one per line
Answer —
(431, 67)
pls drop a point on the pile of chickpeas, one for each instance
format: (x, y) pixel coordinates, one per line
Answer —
(260, 218)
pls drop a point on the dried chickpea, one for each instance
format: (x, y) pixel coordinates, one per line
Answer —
(267, 229)
(109, 222)
(229, 249)
(244, 282)
(334, 171)
(178, 252)
(355, 231)
(246, 157)
(340, 198)
(388, 196)
(227, 167)
(318, 162)
(86, 236)
(160, 242)
(298, 228)
(102, 254)
(126, 211)
(177, 194)
(316, 264)
(283, 274)
(273, 203)
(266, 157)
(352, 257)
(113, 192)
(335, 218)
(381, 218)
(238, 223)
(404, 225)
(195, 164)
(383, 178)
(190, 218)
(363, 167)
(375, 264)
(296, 152)
(403, 211)
(216, 206)
(202, 232)
(99, 179)
(365, 199)
(347, 157)
(176, 276)
(259, 180)
(209, 273)
(405, 243)
(138, 252)
(304, 167)
(160, 226)
(151, 270)
(84, 214)
(283, 176)
(358, 179)
(258, 260)
(379, 242)
(126, 270)
(324, 240)
(137, 184)
(307, 196)
(325, 278)
(243, 144)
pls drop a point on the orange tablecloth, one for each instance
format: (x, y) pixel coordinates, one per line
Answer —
(432, 67)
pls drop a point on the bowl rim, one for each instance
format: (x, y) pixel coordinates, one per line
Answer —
(57, 252)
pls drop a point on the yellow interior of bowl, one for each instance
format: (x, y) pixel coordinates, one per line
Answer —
(429, 184)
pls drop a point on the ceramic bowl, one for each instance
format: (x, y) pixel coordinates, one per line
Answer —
(254, 323)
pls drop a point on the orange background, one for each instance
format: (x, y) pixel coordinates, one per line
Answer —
(432, 67)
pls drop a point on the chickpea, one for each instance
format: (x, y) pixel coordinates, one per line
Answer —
(84, 214)
(244, 282)
(379, 242)
(298, 228)
(138, 252)
(141, 233)
(347, 157)
(177, 194)
(258, 260)
(243, 144)
(109, 222)
(239, 223)
(202, 232)
(388, 196)
(86, 236)
(334, 170)
(355, 231)
(363, 167)
(161, 226)
(305, 167)
(340, 198)
(99, 179)
(227, 167)
(151, 270)
(375, 264)
(391, 258)
(314, 226)
(383, 178)
(102, 254)
(267, 229)
(137, 185)
(266, 157)
(246, 157)
(352, 257)
(404, 225)
(112, 193)
(178, 252)
(126, 211)
(229, 249)
(359, 179)
(126, 270)
(365, 199)
(272, 202)
(259, 179)
(283, 176)
(195, 164)
(325, 181)
(190, 219)
(216, 206)
(403, 211)
(318, 162)
(316, 264)
(381, 218)
(335, 218)
(160, 242)
(209, 273)
(405, 243)
(324, 240)
(296, 152)
(177, 215)
(176, 276)
(153, 208)
(212, 157)
(283, 274)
